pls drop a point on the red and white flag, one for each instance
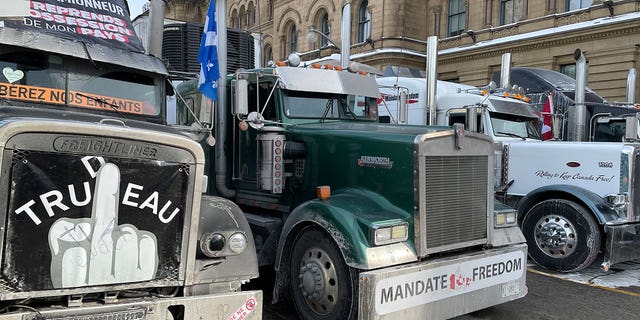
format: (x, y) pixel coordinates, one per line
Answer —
(547, 119)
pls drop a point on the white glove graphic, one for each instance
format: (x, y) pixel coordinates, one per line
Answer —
(97, 250)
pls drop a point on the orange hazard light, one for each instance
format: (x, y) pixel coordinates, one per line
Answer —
(324, 192)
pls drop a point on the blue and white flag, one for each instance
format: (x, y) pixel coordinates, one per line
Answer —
(208, 55)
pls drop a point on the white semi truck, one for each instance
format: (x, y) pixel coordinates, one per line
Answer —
(574, 198)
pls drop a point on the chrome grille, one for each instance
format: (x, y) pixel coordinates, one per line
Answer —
(456, 201)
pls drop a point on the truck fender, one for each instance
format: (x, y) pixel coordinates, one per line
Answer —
(338, 217)
(219, 215)
(592, 202)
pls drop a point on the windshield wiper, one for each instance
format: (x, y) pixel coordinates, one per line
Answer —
(103, 101)
(328, 107)
(511, 135)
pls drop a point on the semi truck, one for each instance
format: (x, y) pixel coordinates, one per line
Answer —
(359, 219)
(574, 199)
(601, 120)
(103, 212)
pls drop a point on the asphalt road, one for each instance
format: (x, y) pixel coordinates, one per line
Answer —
(589, 294)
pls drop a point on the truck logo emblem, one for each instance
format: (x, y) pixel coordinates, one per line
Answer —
(375, 162)
(573, 164)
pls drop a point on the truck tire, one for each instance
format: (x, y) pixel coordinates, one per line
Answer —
(322, 285)
(561, 235)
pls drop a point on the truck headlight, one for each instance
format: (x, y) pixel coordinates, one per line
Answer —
(390, 233)
(505, 218)
(237, 242)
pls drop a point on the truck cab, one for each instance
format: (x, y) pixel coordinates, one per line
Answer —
(352, 213)
(501, 116)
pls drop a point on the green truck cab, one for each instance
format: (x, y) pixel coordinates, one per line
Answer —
(409, 227)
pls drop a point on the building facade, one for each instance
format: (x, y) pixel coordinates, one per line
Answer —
(473, 35)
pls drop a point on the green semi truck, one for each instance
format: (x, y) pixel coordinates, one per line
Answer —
(358, 219)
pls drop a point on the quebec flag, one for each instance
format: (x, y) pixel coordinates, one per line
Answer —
(208, 55)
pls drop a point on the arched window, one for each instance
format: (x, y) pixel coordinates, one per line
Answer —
(364, 22)
(235, 22)
(270, 9)
(251, 14)
(268, 54)
(243, 18)
(325, 29)
(292, 39)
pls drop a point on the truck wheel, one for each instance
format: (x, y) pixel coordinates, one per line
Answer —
(322, 285)
(561, 235)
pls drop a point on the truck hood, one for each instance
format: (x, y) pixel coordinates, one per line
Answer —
(362, 155)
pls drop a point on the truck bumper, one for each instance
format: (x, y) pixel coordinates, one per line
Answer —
(446, 287)
(623, 243)
(235, 305)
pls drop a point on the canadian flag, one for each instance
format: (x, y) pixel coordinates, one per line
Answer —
(547, 116)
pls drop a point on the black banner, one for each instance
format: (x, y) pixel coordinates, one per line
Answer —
(104, 22)
(77, 221)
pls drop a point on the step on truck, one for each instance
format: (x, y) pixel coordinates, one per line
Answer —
(359, 219)
(575, 198)
(103, 212)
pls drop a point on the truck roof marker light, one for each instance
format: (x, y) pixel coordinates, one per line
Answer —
(337, 68)
(527, 99)
(281, 64)
(328, 66)
(316, 65)
(485, 92)
(324, 192)
(362, 73)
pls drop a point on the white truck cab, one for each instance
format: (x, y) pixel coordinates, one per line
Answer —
(500, 116)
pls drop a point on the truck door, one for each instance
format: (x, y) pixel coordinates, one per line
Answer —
(245, 164)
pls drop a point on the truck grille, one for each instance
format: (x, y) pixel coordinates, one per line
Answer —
(456, 201)
(109, 215)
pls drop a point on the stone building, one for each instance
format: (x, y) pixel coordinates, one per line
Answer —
(472, 34)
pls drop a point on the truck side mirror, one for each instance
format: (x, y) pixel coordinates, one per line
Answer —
(241, 94)
(631, 131)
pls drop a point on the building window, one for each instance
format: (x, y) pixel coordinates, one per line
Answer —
(577, 4)
(457, 17)
(324, 28)
(268, 55)
(510, 11)
(235, 21)
(570, 70)
(251, 13)
(270, 9)
(293, 39)
(364, 22)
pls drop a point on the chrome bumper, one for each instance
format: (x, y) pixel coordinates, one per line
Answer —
(622, 244)
(444, 288)
(236, 305)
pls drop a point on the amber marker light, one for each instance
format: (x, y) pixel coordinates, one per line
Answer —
(281, 64)
(324, 192)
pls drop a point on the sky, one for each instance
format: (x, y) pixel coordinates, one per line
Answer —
(136, 7)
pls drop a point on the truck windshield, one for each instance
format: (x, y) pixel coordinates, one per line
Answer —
(313, 105)
(33, 78)
(505, 124)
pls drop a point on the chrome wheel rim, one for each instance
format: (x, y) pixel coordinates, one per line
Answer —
(318, 281)
(555, 236)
